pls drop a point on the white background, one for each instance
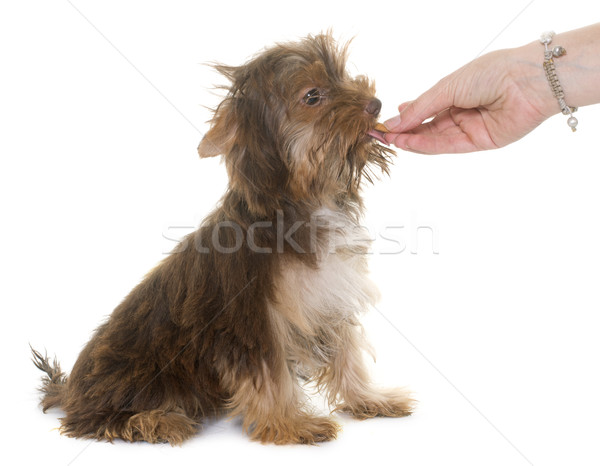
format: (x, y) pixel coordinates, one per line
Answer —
(497, 333)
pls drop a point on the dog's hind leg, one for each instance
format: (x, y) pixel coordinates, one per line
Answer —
(157, 426)
(152, 426)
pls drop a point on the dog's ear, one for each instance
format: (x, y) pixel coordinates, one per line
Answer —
(220, 136)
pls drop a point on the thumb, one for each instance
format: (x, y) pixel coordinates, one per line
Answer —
(427, 105)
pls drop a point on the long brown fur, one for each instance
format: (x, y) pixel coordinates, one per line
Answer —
(267, 290)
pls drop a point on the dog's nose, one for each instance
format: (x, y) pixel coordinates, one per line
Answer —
(373, 107)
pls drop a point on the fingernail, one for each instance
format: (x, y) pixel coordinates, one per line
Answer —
(393, 122)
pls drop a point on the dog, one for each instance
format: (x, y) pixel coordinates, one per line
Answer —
(268, 291)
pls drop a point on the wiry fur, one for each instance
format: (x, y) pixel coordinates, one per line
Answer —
(232, 328)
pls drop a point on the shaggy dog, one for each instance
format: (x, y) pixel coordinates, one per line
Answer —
(268, 291)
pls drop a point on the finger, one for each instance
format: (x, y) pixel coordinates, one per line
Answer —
(428, 104)
(404, 105)
(442, 122)
(394, 121)
(434, 143)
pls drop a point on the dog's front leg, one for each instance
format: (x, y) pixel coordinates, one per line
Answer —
(270, 402)
(349, 387)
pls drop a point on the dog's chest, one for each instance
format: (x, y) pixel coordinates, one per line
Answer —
(313, 305)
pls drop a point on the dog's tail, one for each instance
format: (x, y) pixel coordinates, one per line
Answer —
(53, 383)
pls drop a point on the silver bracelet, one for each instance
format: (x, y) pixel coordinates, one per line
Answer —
(550, 69)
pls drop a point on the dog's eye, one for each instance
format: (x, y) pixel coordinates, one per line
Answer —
(312, 97)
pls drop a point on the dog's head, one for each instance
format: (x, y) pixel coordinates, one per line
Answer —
(296, 127)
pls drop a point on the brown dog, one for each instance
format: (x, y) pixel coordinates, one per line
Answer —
(269, 288)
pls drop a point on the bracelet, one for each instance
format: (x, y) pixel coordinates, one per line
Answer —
(550, 69)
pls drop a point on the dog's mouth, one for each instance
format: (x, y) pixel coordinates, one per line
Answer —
(378, 133)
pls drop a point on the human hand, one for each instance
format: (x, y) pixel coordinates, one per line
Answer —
(492, 101)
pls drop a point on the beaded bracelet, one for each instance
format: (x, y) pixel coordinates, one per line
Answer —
(550, 69)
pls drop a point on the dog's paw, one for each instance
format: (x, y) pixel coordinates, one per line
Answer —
(158, 426)
(303, 428)
(385, 403)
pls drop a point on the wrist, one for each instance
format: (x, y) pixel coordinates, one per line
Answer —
(577, 70)
(528, 73)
